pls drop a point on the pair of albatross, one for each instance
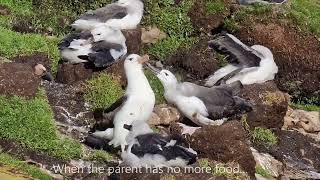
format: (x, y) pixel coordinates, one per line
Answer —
(129, 115)
(98, 38)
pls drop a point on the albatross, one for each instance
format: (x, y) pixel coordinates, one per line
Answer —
(123, 14)
(101, 46)
(146, 148)
(202, 105)
(135, 106)
(249, 65)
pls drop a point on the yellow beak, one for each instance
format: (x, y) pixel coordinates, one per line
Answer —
(144, 59)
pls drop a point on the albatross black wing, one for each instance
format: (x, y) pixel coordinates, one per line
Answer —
(111, 11)
(238, 53)
(101, 56)
(65, 42)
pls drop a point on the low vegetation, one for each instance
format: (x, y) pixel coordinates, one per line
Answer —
(99, 156)
(264, 137)
(173, 20)
(214, 6)
(32, 171)
(156, 86)
(31, 123)
(103, 91)
(264, 173)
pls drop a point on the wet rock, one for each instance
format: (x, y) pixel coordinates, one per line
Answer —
(224, 143)
(17, 79)
(206, 21)
(309, 121)
(71, 113)
(300, 155)
(152, 35)
(133, 40)
(71, 73)
(198, 61)
(164, 115)
(295, 53)
(269, 105)
(268, 163)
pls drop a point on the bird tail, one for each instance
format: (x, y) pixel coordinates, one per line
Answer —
(187, 154)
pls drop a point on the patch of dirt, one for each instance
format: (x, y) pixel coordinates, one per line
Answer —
(269, 105)
(295, 53)
(225, 143)
(133, 40)
(32, 60)
(198, 62)
(4, 10)
(18, 79)
(16, 149)
(296, 151)
(208, 22)
(72, 73)
(71, 113)
(23, 26)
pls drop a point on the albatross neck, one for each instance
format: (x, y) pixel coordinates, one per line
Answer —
(137, 80)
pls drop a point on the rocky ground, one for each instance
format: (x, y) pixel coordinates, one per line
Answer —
(43, 124)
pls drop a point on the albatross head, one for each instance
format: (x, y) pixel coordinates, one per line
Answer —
(107, 33)
(167, 78)
(134, 61)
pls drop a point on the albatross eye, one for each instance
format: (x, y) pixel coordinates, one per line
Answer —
(166, 74)
(130, 59)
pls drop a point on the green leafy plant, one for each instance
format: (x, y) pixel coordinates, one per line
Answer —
(264, 136)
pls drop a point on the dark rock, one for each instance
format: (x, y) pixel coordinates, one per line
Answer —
(133, 40)
(269, 105)
(205, 21)
(224, 143)
(299, 153)
(296, 54)
(71, 73)
(117, 70)
(32, 60)
(198, 61)
(18, 79)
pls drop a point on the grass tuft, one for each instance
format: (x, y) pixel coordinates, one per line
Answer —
(31, 123)
(156, 86)
(264, 136)
(214, 6)
(264, 173)
(100, 156)
(174, 21)
(103, 91)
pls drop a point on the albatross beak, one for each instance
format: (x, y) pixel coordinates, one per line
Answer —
(143, 59)
(153, 69)
(47, 76)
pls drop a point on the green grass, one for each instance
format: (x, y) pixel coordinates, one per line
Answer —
(24, 167)
(264, 136)
(103, 91)
(14, 44)
(214, 6)
(156, 86)
(263, 172)
(306, 107)
(174, 21)
(31, 123)
(99, 156)
(306, 13)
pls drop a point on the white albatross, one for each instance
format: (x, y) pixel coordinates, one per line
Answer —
(102, 46)
(124, 14)
(249, 65)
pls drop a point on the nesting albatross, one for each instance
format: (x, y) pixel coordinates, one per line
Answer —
(124, 14)
(136, 105)
(249, 65)
(148, 149)
(202, 105)
(102, 46)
